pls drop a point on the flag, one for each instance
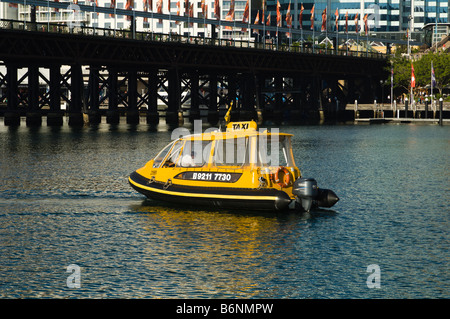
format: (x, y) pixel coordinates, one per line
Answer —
(256, 22)
(203, 8)
(300, 16)
(245, 17)
(366, 26)
(228, 115)
(413, 77)
(145, 8)
(337, 19)
(186, 8)
(356, 23)
(392, 78)
(230, 15)
(278, 14)
(191, 14)
(168, 5)
(312, 17)
(289, 19)
(159, 9)
(217, 9)
(433, 76)
(268, 24)
(346, 22)
(129, 6)
(178, 11)
(324, 20)
(263, 12)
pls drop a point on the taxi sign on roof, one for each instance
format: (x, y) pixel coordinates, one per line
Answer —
(242, 126)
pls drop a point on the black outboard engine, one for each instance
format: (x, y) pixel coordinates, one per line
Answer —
(308, 195)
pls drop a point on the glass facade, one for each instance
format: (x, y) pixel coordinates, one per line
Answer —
(383, 15)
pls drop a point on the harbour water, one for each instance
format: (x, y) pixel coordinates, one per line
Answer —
(65, 200)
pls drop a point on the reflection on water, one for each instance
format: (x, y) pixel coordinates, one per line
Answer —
(215, 253)
(65, 199)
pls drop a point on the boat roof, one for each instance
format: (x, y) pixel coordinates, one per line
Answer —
(234, 130)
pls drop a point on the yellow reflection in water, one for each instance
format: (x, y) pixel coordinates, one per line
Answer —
(210, 251)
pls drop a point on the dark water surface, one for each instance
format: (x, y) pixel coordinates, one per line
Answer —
(65, 199)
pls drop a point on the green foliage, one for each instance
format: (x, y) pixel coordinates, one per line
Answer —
(441, 64)
(402, 73)
(422, 71)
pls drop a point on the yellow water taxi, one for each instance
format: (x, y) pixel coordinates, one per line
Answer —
(240, 168)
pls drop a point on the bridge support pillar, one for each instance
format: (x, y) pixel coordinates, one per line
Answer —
(93, 112)
(33, 114)
(277, 115)
(173, 95)
(112, 114)
(247, 111)
(232, 88)
(132, 112)
(213, 114)
(12, 115)
(75, 108)
(194, 112)
(295, 115)
(152, 102)
(55, 116)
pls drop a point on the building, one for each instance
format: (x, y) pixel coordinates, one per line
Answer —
(386, 18)
(192, 8)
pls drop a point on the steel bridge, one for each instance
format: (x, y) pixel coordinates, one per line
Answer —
(104, 72)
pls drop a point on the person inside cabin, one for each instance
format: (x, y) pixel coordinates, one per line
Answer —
(188, 160)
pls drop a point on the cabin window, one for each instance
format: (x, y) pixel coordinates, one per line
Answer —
(162, 155)
(231, 152)
(195, 153)
(274, 150)
(174, 154)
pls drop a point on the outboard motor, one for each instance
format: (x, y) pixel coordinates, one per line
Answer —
(305, 190)
(308, 194)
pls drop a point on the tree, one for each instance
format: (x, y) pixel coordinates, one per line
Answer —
(402, 73)
(441, 65)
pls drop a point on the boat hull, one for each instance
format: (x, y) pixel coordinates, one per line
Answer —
(218, 197)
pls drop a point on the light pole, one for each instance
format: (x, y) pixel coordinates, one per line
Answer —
(409, 36)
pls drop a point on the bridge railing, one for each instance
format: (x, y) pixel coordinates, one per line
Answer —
(268, 44)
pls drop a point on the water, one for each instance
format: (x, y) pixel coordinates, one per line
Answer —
(64, 199)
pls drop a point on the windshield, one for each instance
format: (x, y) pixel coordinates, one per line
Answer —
(160, 157)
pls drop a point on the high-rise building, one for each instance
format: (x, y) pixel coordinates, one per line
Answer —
(384, 16)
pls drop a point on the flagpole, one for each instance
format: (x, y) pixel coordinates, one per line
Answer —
(170, 19)
(249, 20)
(392, 87)
(337, 30)
(326, 31)
(431, 95)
